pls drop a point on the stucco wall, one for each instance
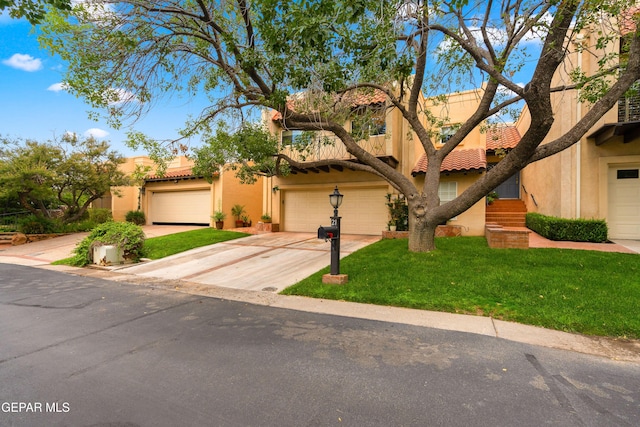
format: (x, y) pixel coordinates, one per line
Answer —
(248, 195)
(573, 183)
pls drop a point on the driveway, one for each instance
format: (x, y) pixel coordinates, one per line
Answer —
(262, 262)
(47, 251)
(270, 261)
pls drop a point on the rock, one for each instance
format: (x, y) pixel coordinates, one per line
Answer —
(19, 239)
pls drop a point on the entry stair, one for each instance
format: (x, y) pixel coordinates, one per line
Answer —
(507, 212)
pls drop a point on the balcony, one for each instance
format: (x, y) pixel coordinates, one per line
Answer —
(324, 147)
(627, 129)
(629, 109)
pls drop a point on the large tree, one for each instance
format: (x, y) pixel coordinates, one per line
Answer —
(243, 54)
(68, 174)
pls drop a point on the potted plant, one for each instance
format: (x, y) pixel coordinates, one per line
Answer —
(492, 196)
(398, 212)
(392, 226)
(237, 211)
(218, 217)
(246, 221)
(266, 218)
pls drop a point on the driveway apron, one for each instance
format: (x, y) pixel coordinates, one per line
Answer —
(263, 262)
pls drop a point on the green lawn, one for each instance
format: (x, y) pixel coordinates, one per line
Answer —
(595, 293)
(163, 246)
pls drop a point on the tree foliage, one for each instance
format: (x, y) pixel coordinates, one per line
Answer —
(317, 55)
(67, 176)
(33, 11)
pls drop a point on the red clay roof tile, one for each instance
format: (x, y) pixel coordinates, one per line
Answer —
(179, 173)
(457, 161)
(502, 137)
(360, 98)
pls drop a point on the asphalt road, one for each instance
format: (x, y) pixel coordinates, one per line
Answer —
(82, 351)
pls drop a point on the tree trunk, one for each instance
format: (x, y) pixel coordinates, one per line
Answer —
(422, 227)
(422, 237)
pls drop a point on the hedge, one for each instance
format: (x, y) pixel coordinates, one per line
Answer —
(574, 230)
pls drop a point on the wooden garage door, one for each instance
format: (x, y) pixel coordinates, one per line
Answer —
(624, 202)
(363, 210)
(181, 207)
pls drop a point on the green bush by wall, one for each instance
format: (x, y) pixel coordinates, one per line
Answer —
(574, 230)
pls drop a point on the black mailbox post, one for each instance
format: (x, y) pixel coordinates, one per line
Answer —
(332, 232)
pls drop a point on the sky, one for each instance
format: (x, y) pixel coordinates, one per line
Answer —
(34, 106)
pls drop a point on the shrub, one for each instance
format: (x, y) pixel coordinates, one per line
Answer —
(100, 215)
(128, 237)
(575, 230)
(398, 212)
(34, 224)
(136, 217)
(79, 226)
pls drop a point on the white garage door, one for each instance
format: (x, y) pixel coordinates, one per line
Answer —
(624, 202)
(363, 210)
(181, 207)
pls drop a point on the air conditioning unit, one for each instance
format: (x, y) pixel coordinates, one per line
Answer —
(107, 255)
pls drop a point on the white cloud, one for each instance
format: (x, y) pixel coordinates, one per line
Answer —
(119, 96)
(23, 62)
(96, 133)
(57, 87)
(94, 10)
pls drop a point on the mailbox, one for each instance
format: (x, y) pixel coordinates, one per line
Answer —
(328, 233)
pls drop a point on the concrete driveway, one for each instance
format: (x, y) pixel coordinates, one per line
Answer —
(47, 251)
(270, 261)
(263, 262)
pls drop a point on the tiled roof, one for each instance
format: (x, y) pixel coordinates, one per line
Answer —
(456, 161)
(627, 23)
(502, 137)
(359, 98)
(171, 174)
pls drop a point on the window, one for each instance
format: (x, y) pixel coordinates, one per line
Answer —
(369, 121)
(447, 191)
(628, 174)
(446, 132)
(291, 137)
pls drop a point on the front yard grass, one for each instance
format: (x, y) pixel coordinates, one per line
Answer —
(163, 246)
(588, 292)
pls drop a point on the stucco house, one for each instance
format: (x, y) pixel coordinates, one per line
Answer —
(180, 197)
(598, 177)
(299, 201)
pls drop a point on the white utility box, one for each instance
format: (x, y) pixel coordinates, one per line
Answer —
(107, 255)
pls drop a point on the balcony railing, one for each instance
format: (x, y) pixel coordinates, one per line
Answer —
(629, 109)
(331, 147)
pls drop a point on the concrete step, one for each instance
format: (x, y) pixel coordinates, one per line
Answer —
(6, 236)
(507, 205)
(508, 213)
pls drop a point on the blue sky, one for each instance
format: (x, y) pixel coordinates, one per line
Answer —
(32, 106)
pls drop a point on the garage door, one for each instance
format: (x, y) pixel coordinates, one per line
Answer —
(181, 207)
(363, 210)
(624, 202)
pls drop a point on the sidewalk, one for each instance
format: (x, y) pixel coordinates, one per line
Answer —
(623, 246)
